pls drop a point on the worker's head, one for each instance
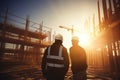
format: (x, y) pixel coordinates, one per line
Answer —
(75, 40)
(59, 38)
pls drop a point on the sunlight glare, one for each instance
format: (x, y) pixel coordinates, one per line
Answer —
(84, 39)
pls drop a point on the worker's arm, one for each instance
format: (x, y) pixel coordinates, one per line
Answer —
(66, 60)
(43, 65)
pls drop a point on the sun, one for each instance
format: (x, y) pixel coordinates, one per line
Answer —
(84, 39)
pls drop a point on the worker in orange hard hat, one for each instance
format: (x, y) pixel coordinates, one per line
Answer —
(55, 62)
(78, 60)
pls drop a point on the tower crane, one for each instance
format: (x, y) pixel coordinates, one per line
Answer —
(69, 29)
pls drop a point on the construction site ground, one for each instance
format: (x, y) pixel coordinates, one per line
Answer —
(10, 70)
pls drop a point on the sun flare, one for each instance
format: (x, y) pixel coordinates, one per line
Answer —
(84, 39)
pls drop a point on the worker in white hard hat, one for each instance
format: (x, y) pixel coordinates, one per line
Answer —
(55, 61)
(78, 60)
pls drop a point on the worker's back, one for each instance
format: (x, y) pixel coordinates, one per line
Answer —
(78, 58)
(55, 62)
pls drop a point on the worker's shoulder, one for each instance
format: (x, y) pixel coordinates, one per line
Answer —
(70, 47)
(81, 47)
(64, 47)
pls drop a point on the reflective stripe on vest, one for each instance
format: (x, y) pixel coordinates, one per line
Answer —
(55, 65)
(59, 57)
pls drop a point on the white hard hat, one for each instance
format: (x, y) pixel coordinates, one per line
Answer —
(59, 37)
(75, 38)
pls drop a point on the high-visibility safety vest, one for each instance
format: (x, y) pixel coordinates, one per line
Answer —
(59, 57)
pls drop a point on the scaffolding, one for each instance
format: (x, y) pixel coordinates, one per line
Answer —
(21, 41)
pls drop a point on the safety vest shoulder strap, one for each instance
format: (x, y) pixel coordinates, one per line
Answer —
(49, 50)
(60, 51)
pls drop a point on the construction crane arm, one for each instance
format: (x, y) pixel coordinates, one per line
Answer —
(65, 28)
(71, 29)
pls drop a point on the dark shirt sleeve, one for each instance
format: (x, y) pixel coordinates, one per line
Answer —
(66, 60)
(43, 65)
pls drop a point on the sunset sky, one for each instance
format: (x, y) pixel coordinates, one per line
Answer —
(55, 13)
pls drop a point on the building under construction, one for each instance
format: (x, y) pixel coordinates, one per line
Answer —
(22, 44)
(104, 55)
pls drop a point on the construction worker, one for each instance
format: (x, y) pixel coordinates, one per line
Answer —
(55, 61)
(78, 60)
